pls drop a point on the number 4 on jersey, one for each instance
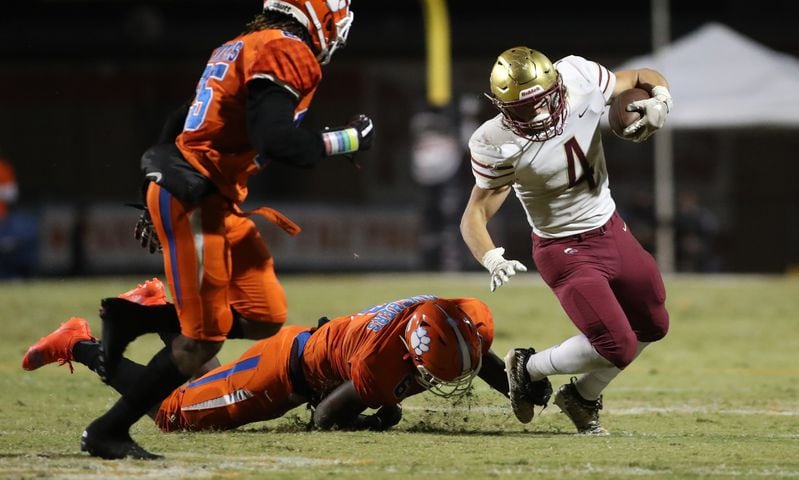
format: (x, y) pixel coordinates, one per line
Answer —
(573, 150)
(205, 94)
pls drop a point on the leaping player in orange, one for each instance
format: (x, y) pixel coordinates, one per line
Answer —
(371, 359)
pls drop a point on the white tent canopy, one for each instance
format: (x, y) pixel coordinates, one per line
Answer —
(720, 78)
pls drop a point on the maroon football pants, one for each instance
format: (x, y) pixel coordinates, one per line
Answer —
(609, 286)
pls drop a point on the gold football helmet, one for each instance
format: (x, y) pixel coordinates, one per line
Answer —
(528, 91)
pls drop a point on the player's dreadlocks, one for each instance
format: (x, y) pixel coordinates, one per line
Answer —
(276, 20)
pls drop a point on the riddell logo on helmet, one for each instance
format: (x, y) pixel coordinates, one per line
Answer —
(277, 6)
(528, 92)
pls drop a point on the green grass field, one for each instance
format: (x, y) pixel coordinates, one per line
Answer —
(718, 398)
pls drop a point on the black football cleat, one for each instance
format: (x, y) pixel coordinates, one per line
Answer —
(525, 393)
(583, 413)
(114, 448)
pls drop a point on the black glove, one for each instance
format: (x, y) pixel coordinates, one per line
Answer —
(384, 418)
(366, 131)
(389, 415)
(145, 233)
(366, 422)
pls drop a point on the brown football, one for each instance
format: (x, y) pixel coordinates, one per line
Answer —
(618, 116)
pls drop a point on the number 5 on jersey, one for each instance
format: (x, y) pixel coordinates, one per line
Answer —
(205, 95)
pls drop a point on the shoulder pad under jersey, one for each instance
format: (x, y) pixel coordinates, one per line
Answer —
(494, 155)
(587, 75)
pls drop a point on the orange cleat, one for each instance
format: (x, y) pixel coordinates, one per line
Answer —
(150, 293)
(57, 347)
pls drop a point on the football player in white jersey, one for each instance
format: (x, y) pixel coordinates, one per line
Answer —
(545, 145)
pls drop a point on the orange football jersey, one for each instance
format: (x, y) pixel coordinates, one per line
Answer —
(367, 349)
(214, 138)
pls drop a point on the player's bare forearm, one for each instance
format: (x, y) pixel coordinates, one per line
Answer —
(483, 205)
(645, 78)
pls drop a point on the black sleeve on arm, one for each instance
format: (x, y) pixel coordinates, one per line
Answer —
(174, 123)
(493, 373)
(270, 120)
(341, 408)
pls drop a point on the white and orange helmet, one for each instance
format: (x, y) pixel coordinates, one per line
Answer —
(445, 348)
(328, 22)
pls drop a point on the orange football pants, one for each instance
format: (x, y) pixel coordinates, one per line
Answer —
(255, 387)
(214, 260)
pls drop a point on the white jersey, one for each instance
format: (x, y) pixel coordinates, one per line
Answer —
(562, 183)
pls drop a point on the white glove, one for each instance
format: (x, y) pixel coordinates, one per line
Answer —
(501, 269)
(653, 114)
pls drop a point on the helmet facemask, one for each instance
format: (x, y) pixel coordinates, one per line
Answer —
(447, 388)
(539, 117)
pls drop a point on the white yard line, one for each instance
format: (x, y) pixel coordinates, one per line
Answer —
(680, 409)
(211, 466)
(580, 471)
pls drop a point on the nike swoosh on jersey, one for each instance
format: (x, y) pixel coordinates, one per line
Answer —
(155, 176)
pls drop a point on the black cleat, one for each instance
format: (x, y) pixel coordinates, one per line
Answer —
(583, 413)
(114, 448)
(121, 325)
(524, 393)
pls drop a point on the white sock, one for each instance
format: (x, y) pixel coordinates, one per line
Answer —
(574, 355)
(591, 385)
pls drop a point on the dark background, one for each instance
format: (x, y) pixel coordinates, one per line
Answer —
(86, 85)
